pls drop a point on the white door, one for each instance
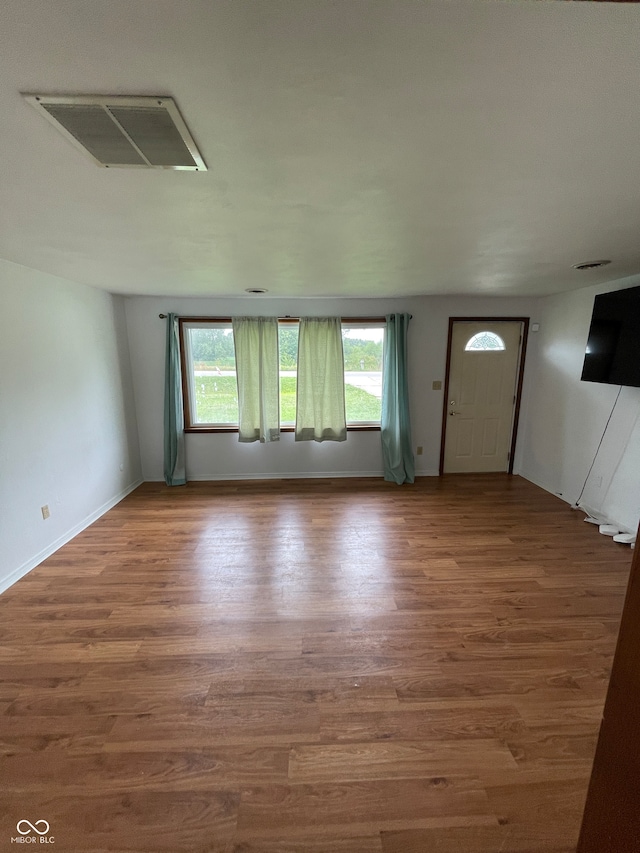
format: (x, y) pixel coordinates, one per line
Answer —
(483, 371)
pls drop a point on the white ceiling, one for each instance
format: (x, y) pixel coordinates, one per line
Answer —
(354, 147)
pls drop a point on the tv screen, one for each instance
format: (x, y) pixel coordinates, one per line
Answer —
(613, 346)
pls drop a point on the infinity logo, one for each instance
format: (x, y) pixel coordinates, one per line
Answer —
(32, 828)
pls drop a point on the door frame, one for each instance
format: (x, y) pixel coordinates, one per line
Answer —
(516, 410)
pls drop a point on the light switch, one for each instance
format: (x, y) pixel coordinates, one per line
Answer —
(436, 386)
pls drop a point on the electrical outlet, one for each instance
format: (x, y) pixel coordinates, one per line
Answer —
(419, 450)
(45, 511)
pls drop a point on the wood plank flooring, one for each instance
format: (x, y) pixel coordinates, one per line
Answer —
(325, 666)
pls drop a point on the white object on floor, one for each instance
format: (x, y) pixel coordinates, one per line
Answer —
(625, 538)
(591, 520)
(609, 529)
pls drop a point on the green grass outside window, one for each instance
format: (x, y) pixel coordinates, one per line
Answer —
(217, 401)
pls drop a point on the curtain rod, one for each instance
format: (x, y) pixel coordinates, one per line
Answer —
(289, 317)
(286, 317)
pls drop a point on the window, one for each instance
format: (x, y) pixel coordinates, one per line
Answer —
(209, 373)
(288, 348)
(362, 345)
(485, 342)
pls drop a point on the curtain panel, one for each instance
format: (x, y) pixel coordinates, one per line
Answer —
(257, 370)
(397, 454)
(320, 405)
(174, 455)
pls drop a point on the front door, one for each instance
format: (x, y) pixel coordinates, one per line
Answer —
(481, 395)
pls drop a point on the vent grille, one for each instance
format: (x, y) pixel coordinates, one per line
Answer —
(590, 265)
(122, 131)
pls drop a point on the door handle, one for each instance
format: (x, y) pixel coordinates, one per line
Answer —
(454, 413)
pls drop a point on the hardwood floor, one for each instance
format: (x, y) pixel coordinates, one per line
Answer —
(319, 666)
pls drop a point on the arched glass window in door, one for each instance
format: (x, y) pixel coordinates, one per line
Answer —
(485, 342)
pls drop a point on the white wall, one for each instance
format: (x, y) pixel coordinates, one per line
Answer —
(565, 418)
(69, 420)
(68, 436)
(221, 456)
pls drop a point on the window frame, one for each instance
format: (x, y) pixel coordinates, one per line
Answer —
(190, 427)
(185, 359)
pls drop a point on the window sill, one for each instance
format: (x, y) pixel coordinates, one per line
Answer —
(214, 429)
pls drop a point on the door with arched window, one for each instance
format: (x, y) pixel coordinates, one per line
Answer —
(482, 390)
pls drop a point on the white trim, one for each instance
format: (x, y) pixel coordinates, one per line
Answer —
(295, 475)
(583, 507)
(25, 568)
(540, 484)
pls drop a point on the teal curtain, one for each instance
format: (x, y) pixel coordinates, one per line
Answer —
(174, 457)
(397, 454)
(320, 406)
(257, 369)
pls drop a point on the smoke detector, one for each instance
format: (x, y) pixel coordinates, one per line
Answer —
(116, 131)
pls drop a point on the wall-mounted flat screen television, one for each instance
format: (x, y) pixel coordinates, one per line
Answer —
(613, 347)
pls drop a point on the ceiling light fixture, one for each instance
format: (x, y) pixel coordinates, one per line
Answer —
(590, 265)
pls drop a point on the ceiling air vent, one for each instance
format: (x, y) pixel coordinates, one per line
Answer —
(121, 131)
(590, 265)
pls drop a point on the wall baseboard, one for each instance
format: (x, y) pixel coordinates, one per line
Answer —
(595, 513)
(34, 561)
(289, 475)
(296, 475)
(540, 484)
